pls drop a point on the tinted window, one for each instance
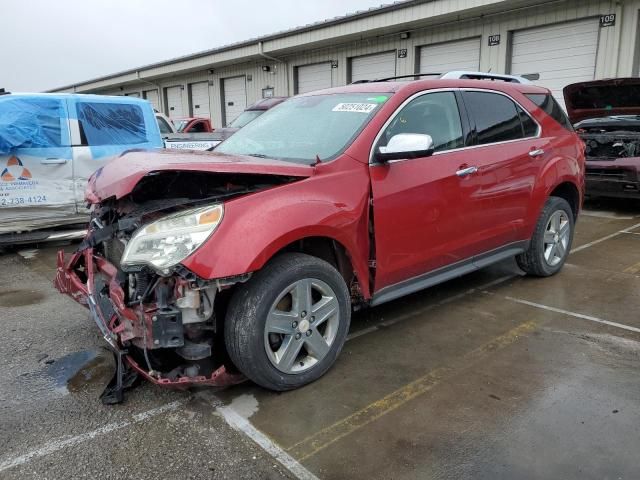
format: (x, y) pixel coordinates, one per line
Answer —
(434, 114)
(554, 110)
(112, 123)
(529, 126)
(198, 127)
(496, 117)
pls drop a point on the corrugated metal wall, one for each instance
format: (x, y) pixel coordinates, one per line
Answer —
(617, 46)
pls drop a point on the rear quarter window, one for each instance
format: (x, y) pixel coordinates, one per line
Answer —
(547, 103)
(111, 124)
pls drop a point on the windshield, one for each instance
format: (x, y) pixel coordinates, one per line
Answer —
(305, 128)
(245, 117)
(180, 124)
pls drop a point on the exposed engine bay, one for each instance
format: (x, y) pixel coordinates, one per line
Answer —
(608, 144)
(161, 317)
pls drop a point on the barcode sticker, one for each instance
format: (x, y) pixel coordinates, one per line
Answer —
(355, 107)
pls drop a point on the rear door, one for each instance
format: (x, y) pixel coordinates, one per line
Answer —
(503, 164)
(105, 128)
(420, 205)
(36, 175)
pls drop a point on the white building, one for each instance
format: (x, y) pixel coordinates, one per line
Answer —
(564, 41)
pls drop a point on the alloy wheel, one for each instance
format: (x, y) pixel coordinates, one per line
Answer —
(301, 325)
(556, 238)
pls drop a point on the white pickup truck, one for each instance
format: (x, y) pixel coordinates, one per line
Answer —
(50, 144)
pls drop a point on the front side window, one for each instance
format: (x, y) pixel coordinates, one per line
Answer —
(435, 114)
(496, 117)
(304, 129)
(111, 123)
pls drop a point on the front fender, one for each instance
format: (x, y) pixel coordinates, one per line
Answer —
(333, 203)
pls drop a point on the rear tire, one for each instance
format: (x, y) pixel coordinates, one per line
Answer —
(551, 240)
(286, 326)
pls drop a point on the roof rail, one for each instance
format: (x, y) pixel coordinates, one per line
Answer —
(462, 75)
(413, 75)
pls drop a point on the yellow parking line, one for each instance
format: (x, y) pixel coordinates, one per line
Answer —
(633, 269)
(331, 434)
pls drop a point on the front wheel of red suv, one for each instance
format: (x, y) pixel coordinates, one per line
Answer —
(286, 326)
(551, 241)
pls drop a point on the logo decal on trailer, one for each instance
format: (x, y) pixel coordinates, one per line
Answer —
(15, 171)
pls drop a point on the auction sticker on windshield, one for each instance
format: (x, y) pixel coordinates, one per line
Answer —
(355, 107)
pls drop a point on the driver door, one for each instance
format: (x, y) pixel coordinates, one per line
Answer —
(421, 206)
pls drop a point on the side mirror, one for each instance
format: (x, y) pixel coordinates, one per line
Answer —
(406, 145)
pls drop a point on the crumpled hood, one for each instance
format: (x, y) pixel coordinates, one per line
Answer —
(602, 98)
(118, 177)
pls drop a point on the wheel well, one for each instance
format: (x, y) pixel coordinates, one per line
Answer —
(326, 249)
(569, 192)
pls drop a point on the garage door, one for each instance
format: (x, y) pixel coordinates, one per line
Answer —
(200, 99)
(313, 77)
(153, 98)
(174, 102)
(234, 97)
(562, 54)
(371, 67)
(450, 56)
(133, 94)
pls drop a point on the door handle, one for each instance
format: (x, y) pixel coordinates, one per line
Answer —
(466, 171)
(53, 161)
(536, 153)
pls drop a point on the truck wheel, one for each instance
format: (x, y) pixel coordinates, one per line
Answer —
(286, 326)
(551, 240)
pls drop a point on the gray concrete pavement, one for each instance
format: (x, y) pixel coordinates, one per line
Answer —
(493, 375)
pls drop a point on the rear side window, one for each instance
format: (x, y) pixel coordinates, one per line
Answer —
(547, 103)
(111, 123)
(498, 118)
(31, 123)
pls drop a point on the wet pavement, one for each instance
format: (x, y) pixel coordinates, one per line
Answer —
(493, 375)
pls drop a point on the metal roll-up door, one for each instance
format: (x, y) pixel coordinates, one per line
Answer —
(133, 94)
(174, 102)
(451, 56)
(313, 77)
(372, 67)
(200, 99)
(562, 54)
(234, 97)
(153, 98)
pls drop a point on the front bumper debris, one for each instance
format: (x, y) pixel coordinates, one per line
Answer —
(93, 282)
(615, 178)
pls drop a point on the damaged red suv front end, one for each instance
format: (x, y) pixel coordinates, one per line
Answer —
(156, 314)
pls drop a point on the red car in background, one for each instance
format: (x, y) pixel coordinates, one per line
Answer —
(202, 268)
(606, 115)
(193, 125)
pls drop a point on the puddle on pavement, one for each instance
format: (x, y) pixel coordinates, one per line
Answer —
(19, 298)
(78, 370)
(69, 374)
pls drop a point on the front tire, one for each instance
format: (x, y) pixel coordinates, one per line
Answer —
(286, 326)
(551, 240)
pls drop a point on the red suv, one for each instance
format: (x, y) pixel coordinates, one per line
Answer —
(203, 268)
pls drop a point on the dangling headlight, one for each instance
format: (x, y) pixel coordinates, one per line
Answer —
(169, 240)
